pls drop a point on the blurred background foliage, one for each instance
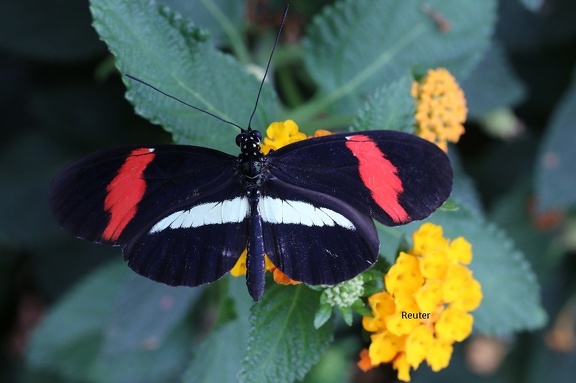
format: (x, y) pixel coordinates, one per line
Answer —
(61, 98)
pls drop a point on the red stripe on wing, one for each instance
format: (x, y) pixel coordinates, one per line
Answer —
(125, 191)
(379, 175)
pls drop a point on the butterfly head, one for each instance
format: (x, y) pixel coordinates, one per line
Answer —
(249, 142)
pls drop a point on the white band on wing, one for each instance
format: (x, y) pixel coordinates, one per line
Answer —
(272, 210)
(276, 210)
(211, 213)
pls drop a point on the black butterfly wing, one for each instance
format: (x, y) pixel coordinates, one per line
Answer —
(314, 237)
(391, 176)
(118, 196)
(197, 243)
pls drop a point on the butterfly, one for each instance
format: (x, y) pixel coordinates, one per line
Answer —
(183, 214)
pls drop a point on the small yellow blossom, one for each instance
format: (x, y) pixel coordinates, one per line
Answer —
(439, 355)
(425, 308)
(440, 108)
(418, 344)
(280, 134)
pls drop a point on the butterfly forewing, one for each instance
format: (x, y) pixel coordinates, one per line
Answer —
(390, 176)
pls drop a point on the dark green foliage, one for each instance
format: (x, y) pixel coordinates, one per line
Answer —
(63, 95)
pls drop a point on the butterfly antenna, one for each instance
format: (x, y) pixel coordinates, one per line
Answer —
(268, 65)
(182, 102)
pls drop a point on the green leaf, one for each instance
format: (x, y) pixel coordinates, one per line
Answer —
(144, 314)
(347, 315)
(359, 307)
(163, 364)
(69, 340)
(492, 84)
(511, 291)
(219, 357)
(356, 46)
(323, 314)
(223, 18)
(158, 46)
(334, 365)
(391, 107)
(555, 180)
(283, 343)
(511, 211)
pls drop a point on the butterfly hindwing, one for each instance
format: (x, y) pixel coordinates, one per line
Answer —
(314, 237)
(391, 176)
(196, 244)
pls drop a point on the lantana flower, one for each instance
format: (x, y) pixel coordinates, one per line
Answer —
(280, 134)
(425, 306)
(440, 108)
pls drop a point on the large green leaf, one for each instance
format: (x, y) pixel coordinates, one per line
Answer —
(69, 341)
(160, 47)
(356, 46)
(219, 357)
(68, 338)
(144, 314)
(511, 292)
(283, 343)
(555, 175)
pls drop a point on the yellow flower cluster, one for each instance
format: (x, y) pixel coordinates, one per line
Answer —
(440, 108)
(424, 310)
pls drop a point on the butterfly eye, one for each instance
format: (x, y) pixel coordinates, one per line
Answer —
(239, 140)
(258, 135)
